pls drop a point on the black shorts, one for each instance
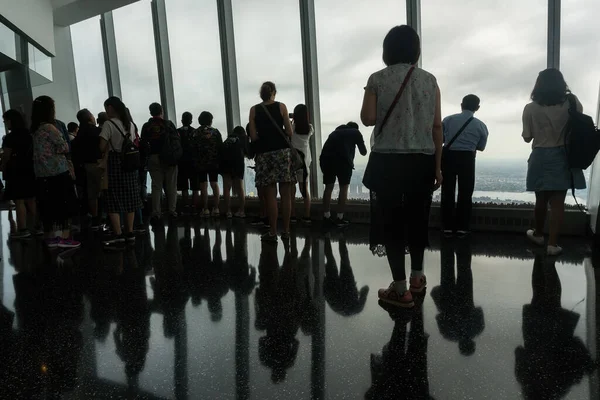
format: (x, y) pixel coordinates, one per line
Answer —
(331, 172)
(187, 179)
(208, 176)
(236, 172)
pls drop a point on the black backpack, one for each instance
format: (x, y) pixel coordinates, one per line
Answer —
(582, 139)
(130, 154)
(172, 150)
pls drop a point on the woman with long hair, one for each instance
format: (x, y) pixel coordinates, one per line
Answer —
(405, 162)
(57, 200)
(545, 123)
(123, 194)
(303, 131)
(270, 131)
(17, 167)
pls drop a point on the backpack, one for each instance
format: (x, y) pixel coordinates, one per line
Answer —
(130, 154)
(231, 151)
(172, 150)
(206, 151)
(582, 139)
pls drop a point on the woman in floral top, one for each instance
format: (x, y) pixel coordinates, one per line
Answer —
(55, 189)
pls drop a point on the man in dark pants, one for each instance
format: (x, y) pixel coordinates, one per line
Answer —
(337, 162)
(463, 136)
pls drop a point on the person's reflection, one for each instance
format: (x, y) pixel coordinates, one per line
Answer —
(458, 319)
(216, 279)
(132, 334)
(275, 305)
(49, 309)
(340, 289)
(551, 359)
(242, 282)
(307, 309)
(400, 371)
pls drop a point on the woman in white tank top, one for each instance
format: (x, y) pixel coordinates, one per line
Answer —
(405, 163)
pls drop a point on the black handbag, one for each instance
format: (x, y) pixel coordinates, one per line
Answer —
(130, 154)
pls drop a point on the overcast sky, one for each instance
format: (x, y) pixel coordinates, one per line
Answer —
(490, 48)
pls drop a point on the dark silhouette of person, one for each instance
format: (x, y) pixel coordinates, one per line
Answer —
(215, 277)
(132, 334)
(400, 371)
(242, 275)
(551, 359)
(47, 347)
(340, 290)
(458, 319)
(275, 305)
(306, 307)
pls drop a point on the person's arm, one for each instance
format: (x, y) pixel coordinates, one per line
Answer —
(483, 137)
(252, 132)
(104, 138)
(527, 134)
(286, 120)
(438, 138)
(368, 112)
(360, 142)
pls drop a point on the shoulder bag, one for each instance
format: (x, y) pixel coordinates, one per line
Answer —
(297, 161)
(130, 155)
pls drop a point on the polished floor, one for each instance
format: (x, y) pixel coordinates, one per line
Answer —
(203, 310)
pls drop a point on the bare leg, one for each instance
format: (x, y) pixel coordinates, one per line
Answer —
(185, 198)
(307, 200)
(66, 229)
(541, 208)
(292, 198)
(557, 213)
(239, 184)
(216, 194)
(204, 195)
(227, 192)
(129, 222)
(115, 221)
(285, 189)
(195, 199)
(327, 197)
(21, 214)
(263, 202)
(32, 208)
(93, 205)
(270, 201)
(342, 198)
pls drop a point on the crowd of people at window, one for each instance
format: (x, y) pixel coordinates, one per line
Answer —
(413, 153)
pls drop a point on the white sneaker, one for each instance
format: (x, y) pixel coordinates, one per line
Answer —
(554, 250)
(206, 213)
(539, 240)
(229, 215)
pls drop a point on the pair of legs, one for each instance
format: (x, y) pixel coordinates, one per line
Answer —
(115, 220)
(187, 179)
(332, 170)
(303, 186)
(343, 197)
(213, 178)
(230, 182)
(556, 200)
(457, 165)
(270, 200)
(162, 175)
(22, 206)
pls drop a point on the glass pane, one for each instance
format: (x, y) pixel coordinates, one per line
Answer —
(8, 45)
(497, 56)
(89, 64)
(137, 58)
(580, 61)
(349, 44)
(268, 48)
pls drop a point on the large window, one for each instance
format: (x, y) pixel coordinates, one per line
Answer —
(89, 64)
(137, 58)
(349, 44)
(196, 59)
(495, 50)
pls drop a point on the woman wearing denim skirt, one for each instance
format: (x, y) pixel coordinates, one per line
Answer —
(545, 124)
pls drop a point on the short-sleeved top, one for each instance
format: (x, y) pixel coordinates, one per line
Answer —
(302, 143)
(473, 137)
(340, 147)
(20, 142)
(409, 127)
(185, 133)
(207, 143)
(49, 152)
(547, 125)
(269, 137)
(113, 136)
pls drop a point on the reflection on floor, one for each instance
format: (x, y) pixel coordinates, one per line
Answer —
(203, 310)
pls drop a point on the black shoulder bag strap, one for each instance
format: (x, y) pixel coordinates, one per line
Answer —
(460, 131)
(398, 95)
(287, 139)
(122, 134)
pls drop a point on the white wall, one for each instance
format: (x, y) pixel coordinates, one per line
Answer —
(34, 18)
(63, 89)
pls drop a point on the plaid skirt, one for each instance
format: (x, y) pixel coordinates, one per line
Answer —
(274, 167)
(123, 194)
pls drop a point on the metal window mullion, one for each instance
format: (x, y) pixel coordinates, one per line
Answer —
(311, 89)
(111, 61)
(413, 19)
(554, 8)
(163, 59)
(229, 64)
